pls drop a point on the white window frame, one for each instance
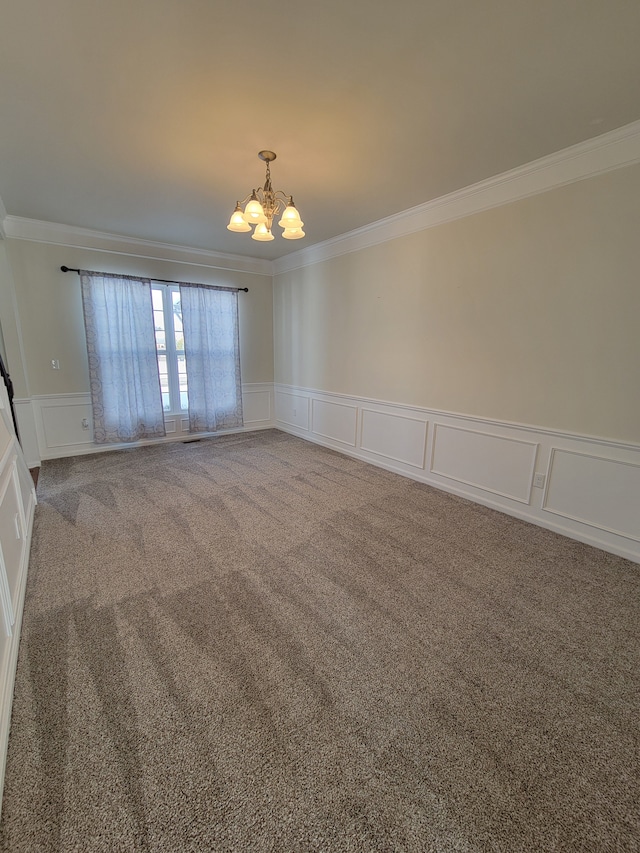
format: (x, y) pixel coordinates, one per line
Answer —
(170, 352)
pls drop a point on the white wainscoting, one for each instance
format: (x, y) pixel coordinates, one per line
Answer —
(52, 426)
(397, 437)
(584, 487)
(257, 404)
(293, 409)
(335, 421)
(494, 463)
(595, 490)
(62, 422)
(17, 505)
(27, 429)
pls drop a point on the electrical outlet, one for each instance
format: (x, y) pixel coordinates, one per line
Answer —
(538, 481)
(85, 423)
(55, 364)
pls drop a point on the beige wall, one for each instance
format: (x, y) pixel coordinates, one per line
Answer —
(527, 313)
(8, 320)
(50, 312)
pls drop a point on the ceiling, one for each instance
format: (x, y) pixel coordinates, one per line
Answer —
(145, 118)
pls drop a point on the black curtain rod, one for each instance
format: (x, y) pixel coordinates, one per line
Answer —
(165, 280)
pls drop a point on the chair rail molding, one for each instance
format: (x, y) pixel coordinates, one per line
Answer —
(583, 487)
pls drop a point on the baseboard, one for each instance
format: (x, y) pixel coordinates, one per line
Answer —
(583, 487)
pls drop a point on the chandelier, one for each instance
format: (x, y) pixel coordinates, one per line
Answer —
(262, 206)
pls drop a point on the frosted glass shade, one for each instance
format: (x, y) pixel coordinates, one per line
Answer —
(293, 233)
(237, 221)
(290, 218)
(253, 212)
(262, 233)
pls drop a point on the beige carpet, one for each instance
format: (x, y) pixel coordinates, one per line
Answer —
(252, 643)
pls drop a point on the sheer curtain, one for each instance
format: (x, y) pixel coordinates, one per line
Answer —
(123, 367)
(212, 351)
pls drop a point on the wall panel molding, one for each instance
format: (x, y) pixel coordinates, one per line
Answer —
(595, 499)
(28, 432)
(499, 464)
(592, 484)
(426, 413)
(333, 420)
(397, 437)
(293, 409)
(53, 423)
(257, 404)
(594, 490)
(17, 507)
(10, 633)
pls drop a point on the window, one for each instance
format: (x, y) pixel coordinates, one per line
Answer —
(139, 366)
(167, 321)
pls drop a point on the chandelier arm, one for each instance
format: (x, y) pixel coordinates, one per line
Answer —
(279, 198)
(282, 200)
(249, 196)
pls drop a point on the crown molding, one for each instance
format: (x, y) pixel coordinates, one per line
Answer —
(39, 231)
(612, 150)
